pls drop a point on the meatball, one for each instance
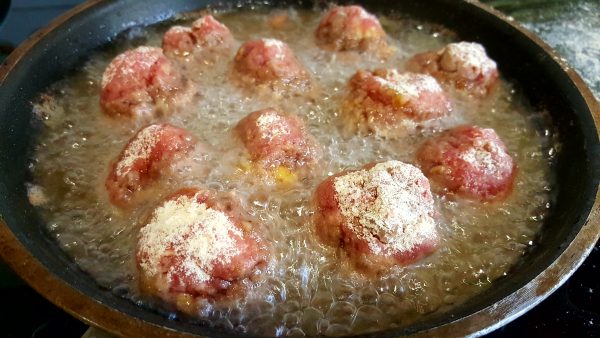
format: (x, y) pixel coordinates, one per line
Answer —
(197, 243)
(205, 33)
(384, 100)
(349, 28)
(139, 82)
(469, 161)
(274, 139)
(381, 215)
(464, 65)
(147, 154)
(269, 62)
(179, 40)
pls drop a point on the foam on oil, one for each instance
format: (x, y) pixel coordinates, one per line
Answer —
(307, 288)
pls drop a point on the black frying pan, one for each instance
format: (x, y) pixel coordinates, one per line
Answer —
(569, 232)
(4, 7)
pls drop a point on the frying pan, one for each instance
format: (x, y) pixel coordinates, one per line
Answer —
(568, 235)
(4, 6)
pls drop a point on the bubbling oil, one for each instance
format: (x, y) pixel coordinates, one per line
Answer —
(308, 288)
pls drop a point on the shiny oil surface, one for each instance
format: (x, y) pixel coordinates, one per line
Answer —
(307, 288)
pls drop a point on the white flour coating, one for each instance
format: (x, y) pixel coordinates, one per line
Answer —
(481, 156)
(272, 125)
(200, 22)
(180, 29)
(365, 16)
(125, 65)
(278, 45)
(139, 148)
(198, 234)
(487, 155)
(340, 12)
(467, 58)
(36, 194)
(409, 85)
(386, 202)
(273, 43)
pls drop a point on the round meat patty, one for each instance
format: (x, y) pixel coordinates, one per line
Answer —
(274, 139)
(197, 243)
(205, 33)
(350, 28)
(465, 65)
(469, 161)
(269, 62)
(385, 101)
(139, 82)
(381, 215)
(144, 159)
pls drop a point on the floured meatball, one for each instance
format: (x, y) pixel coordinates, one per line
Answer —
(144, 159)
(197, 243)
(139, 82)
(381, 215)
(269, 62)
(205, 33)
(349, 28)
(468, 161)
(386, 102)
(464, 65)
(274, 139)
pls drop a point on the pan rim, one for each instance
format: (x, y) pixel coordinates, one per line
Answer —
(86, 307)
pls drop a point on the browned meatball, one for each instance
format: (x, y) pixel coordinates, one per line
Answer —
(464, 65)
(350, 28)
(386, 101)
(274, 139)
(197, 243)
(205, 33)
(469, 161)
(269, 62)
(144, 158)
(139, 81)
(382, 215)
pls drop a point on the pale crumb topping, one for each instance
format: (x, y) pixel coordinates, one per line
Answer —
(340, 12)
(200, 22)
(180, 29)
(273, 43)
(482, 155)
(344, 11)
(191, 232)
(271, 125)
(138, 148)
(386, 204)
(469, 58)
(36, 194)
(409, 85)
(128, 63)
(278, 45)
(364, 15)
